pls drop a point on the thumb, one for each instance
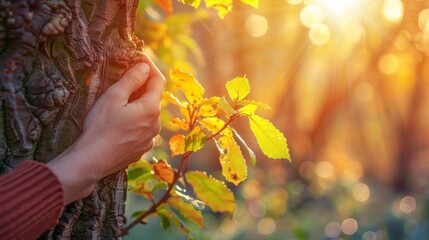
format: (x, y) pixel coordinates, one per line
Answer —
(133, 79)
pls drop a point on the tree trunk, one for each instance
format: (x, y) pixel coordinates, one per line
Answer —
(56, 58)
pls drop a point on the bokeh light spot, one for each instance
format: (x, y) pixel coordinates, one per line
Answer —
(369, 236)
(257, 208)
(361, 192)
(266, 226)
(256, 25)
(319, 34)
(402, 40)
(349, 226)
(312, 15)
(407, 204)
(393, 11)
(424, 19)
(333, 229)
(388, 64)
(325, 169)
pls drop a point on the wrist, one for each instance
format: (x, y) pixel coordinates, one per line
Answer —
(76, 176)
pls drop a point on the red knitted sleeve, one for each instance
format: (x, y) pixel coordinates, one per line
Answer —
(31, 201)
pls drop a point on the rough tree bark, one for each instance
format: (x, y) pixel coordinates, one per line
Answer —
(56, 58)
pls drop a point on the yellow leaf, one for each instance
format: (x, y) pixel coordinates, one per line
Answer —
(181, 123)
(193, 3)
(213, 124)
(254, 103)
(271, 141)
(164, 171)
(207, 111)
(212, 192)
(253, 3)
(233, 164)
(248, 109)
(169, 97)
(188, 84)
(225, 107)
(209, 101)
(187, 210)
(195, 140)
(177, 145)
(238, 88)
(222, 6)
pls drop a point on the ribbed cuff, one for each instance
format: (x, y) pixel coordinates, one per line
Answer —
(31, 201)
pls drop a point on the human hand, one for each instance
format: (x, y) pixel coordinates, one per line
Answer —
(116, 132)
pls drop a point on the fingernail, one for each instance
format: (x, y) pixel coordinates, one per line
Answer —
(144, 68)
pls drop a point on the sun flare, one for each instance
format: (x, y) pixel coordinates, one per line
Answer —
(338, 6)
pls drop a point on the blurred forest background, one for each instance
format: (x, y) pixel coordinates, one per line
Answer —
(348, 83)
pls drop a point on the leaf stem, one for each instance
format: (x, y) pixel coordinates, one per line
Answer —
(230, 120)
(163, 199)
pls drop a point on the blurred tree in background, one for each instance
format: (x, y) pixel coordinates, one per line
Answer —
(348, 83)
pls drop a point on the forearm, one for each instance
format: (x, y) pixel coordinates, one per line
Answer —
(31, 201)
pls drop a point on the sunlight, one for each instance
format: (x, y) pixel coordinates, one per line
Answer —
(338, 6)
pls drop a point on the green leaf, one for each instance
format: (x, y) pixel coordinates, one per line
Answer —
(138, 213)
(253, 3)
(165, 222)
(271, 141)
(238, 88)
(187, 210)
(234, 167)
(173, 218)
(193, 3)
(211, 191)
(195, 140)
(249, 150)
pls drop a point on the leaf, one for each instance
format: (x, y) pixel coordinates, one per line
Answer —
(253, 3)
(180, 123)
(238, 88)
(164, 171)
(173, 218)
(249, 150)
(166, 5)
(195, 140)
(233, 164)
(222, 6)
(177, 145)
(209, 101)
(188, 84)
(206, 111)
(213, 124)
(165, 222)
(255, 103)
(169, 97)
(271, 141)
(138, 213)
(193, 3)
(212, 192)
(197, 204)
(187, 210)
(248, 110)
(225, 107)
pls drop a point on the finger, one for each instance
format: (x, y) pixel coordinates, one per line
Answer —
(156, 83)
(132, 80)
